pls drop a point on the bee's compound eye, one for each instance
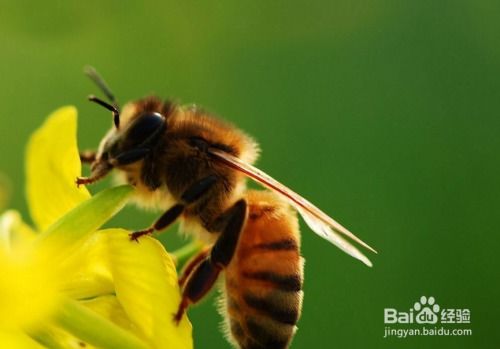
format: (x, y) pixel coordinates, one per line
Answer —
(145, 126)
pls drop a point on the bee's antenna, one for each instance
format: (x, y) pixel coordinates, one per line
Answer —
(112, 108)
(99, 81)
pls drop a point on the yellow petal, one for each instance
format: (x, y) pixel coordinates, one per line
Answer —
(89, 275)
(52, 165)
(28, 288)
(147, 288)
(13, 231)
(109, 307)
(17, 340)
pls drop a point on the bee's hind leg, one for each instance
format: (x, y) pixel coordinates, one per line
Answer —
(206, 272)
(192, 264)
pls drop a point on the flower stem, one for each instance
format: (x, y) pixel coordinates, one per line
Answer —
(46, 339)
(93, 329)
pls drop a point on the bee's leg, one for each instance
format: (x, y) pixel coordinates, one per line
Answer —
(98, 171)
(191, 195)
(201, 281)
(204, 276)
(87, 156)
(192, 264)
(163, 222)
(223, 250)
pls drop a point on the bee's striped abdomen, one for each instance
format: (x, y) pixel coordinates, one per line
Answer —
(264, 280)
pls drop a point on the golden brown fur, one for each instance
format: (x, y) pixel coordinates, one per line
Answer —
(177, 164)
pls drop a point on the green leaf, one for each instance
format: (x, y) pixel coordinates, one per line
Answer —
(67, 234)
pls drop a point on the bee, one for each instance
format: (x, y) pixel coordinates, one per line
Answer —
(194, 166)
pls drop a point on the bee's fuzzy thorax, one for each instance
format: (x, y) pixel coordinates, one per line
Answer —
(194, 122)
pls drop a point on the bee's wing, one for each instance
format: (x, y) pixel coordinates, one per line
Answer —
(317, 220)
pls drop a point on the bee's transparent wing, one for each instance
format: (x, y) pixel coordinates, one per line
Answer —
(327, 233)
(317, 220)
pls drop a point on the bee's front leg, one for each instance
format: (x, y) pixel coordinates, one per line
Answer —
(98, 171)
(88, 156)
(191, 195)
(161, 223)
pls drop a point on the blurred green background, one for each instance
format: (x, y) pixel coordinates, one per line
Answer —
(384, 113)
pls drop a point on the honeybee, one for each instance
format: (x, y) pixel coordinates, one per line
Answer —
(194, 166)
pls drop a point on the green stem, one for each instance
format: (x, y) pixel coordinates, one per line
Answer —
(183, 254)
(45, 338)
(94, 329)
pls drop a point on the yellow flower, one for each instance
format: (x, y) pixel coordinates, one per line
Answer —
(66, 284)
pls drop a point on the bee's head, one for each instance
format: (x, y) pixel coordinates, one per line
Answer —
(135, 133)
